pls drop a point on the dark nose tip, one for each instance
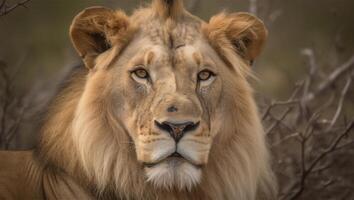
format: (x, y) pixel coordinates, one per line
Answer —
(177, 130)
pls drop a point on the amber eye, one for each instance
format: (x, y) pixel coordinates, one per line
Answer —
(205, 75)
(141, 73)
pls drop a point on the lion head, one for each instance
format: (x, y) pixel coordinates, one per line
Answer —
(164, 109)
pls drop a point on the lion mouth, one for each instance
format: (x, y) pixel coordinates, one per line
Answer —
(174, 157)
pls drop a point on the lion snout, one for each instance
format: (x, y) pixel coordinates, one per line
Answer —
(177, 130)
(184, 137)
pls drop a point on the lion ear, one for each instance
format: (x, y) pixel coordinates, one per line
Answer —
(242, 32)
(95, 30)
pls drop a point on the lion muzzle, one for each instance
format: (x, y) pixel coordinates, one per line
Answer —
(177, 130)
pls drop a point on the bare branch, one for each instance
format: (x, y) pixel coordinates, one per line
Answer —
(331, 148)
(290, 101)
(340, 103)
(6, 102)
(2, 4)
(4, 9)
(332, 78)
(314, 109)
(276, 123)
(313, 68)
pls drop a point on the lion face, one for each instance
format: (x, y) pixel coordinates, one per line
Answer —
(170, 106)
(168, 84)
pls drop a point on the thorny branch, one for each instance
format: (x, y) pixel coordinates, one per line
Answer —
(333, 77)
(301, 121)
(306, 171)
(6, 9)
(12, 108)
(340, 104)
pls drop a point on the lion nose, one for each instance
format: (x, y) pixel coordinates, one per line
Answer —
(177, 130)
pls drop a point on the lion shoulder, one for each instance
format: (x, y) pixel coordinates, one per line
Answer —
(22, 176)
(12, 173)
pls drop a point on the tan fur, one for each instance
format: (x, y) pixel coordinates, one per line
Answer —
(245, 31)
(168, 8)
(95, 23)
(100, 130)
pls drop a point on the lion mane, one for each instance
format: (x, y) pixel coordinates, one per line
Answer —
(86, 151)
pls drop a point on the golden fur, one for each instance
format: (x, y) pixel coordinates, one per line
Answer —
(100, 129)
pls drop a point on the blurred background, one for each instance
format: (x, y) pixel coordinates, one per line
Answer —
(310, 43)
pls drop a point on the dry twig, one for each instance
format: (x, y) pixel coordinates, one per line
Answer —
(5, 9)
(301, 118)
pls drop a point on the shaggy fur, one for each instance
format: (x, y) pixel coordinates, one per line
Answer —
(100, 130)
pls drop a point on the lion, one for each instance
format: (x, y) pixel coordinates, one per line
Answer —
(162, 110)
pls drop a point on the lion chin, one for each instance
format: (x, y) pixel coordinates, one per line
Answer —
(173, 172)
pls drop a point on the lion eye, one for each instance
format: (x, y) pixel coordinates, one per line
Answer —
(205, 75)
(141, 73)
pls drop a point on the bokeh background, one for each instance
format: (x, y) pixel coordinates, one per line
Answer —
(36, 55)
